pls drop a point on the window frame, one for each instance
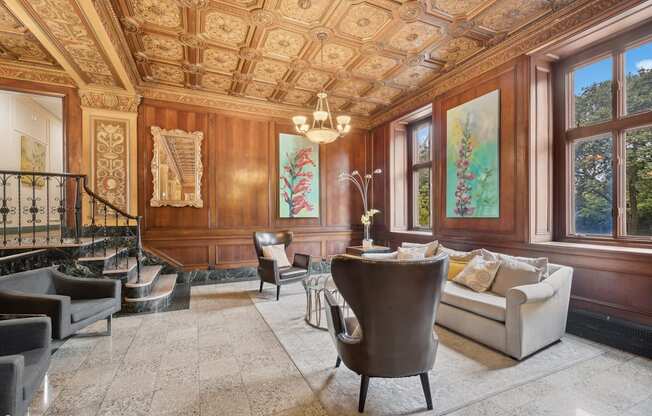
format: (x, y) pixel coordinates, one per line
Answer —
(414, 167)
(620, 123)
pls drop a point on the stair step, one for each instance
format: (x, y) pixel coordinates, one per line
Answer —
(148, 276)
(125, 268)
(161, 290)
(110, 253)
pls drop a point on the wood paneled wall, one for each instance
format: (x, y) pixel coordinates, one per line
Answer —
(605, 281)
(240, 190)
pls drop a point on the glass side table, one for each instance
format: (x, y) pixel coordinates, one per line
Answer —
(315, 285)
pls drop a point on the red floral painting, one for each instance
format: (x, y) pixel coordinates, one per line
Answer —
(299, 177)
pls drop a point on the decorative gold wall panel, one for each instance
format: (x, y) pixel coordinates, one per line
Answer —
(110, 153)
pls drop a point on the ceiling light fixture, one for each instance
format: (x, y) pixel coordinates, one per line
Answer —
(322, 130)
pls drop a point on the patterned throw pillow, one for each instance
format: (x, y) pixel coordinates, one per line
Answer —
(381, 256)
(431, 248)
(539, 263)
(277, 252)
(411, 253)
(479, 274)
(457, 260)
(513, 273)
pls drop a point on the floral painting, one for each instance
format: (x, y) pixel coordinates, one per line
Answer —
(33, 157)
(472, 158)
(299, 177)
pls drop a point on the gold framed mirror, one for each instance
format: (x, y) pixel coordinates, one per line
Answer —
(176, 168)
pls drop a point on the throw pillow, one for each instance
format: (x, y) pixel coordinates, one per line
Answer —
(277, 252)
(412, 253)
(479, 274)
(540, 263)
(380, 256)
(431, 248)
(457, 260)
(514, 273)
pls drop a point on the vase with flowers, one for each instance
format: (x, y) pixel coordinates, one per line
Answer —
(362, 184)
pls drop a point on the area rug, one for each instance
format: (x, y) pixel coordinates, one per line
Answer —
(465, 372)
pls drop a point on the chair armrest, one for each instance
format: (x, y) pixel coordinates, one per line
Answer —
(11, 388)
(85, 288)
(530, 293)
(302, 261)
(57, 307)
(24, 334)
(268, 270)
(334, 314)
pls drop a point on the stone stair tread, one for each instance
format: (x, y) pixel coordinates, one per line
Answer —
(147, 276)
(163, 287)
(122, 267)
(53, 243)
(110, 252)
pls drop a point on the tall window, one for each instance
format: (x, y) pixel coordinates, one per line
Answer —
(608, 131)
(420, 174)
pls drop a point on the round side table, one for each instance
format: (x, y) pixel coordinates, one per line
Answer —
(315, 285)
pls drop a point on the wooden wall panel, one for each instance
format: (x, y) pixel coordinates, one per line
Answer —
(240, 189)
(605, 281)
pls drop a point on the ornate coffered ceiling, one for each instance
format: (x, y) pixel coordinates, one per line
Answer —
(376, 52)
(18, 44)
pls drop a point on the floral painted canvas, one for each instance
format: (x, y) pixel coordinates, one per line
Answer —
(472, 158)
(298, 160)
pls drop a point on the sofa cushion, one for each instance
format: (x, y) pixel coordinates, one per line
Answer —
(514, 273)
(36, 365)
(381, 256)
(431, 248)
(81, 309)
(411, 253)
(485, 304)
(291, 272)
(540, 263)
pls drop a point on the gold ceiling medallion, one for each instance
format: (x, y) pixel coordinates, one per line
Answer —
(409, 12)
(323, 130)
(176, 168)
(193, 4)
(263, 17)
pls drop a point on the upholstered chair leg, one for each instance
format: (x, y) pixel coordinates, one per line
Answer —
(261, 286)
(425, 383)
(108, 325)
(364, 385)
(338, 362)
(278, 291)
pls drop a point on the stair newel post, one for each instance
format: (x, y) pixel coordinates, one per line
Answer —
(78, 209)
(33, 210)
(139, 247)
(5, 209)
(105, 225)
(92, 226)
(20, 213)
(116, 245)
(62, 207)
(47, 210)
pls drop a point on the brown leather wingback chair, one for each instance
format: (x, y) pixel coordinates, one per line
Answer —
(394, 303)
(268, 270)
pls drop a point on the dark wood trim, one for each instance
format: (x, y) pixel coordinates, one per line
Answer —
(413, 167)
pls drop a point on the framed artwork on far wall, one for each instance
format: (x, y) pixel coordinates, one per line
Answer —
(298, 167)
(472, 158)
(33, 158)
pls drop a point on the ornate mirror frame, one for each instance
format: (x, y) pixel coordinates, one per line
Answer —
(159, 136)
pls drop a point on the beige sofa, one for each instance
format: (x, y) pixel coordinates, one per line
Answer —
(528, 319)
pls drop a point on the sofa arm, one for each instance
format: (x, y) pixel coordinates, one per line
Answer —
(302, 261)
(24, 334)
(11, 388)
(530, 293)
(268, 270)
(85, 288)
(57, 307)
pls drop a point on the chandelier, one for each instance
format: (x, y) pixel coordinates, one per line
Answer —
(322, 130)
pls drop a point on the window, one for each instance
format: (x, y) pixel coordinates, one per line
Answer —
(420, 174)
(608, 135)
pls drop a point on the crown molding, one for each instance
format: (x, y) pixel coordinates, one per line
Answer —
(561, 23)
(109, 100)
(35, 74)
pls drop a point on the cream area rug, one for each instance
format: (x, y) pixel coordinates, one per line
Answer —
(465, 372)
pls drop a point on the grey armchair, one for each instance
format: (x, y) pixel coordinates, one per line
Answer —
(268, 269)
(71, 303)
(394, 303)
(24, 360)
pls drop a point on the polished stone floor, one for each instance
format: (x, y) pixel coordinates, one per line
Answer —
(228, 355)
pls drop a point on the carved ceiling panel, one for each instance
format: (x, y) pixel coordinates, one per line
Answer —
(375, 52)
(19, 45)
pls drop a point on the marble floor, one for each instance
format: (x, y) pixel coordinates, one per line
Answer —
(223, 356)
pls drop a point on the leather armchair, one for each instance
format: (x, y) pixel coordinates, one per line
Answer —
(71, 303)
(268, 269)
(394, 303)
(24, 360)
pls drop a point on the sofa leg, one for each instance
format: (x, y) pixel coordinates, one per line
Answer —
(338, 362)
(425, 383)
(278, 291)
(261, 287)
(364, 386)
(108, 325)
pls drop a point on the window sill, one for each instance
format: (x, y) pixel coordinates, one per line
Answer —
(413, 232)
(594, 247)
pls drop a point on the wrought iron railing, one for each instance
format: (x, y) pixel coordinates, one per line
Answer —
(41, 210)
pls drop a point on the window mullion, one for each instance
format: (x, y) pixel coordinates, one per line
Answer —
(619, 219)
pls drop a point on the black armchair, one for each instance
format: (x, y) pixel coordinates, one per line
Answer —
(394, 303)
(24, 360)
(268, 269)
(71, 303)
